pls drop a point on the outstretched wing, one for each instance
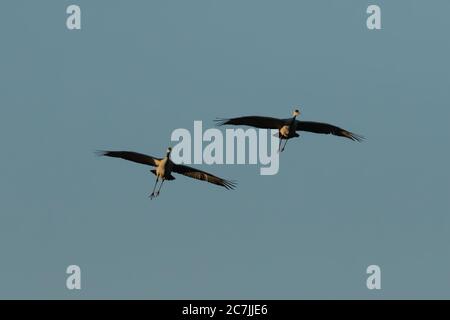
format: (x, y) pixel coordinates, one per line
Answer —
(202, 175)
(325, 128)
(253, 121)
(131, 156)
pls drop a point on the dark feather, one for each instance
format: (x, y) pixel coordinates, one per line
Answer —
(253, 121)
(131, 156)
(202, 175)
(325, 128)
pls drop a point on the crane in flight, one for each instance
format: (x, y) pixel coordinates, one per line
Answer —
(165, 167)
(287, 128)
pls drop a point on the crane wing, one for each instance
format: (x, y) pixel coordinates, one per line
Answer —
(254, 121)
(132, 156)
(202, 175)
(325, 128)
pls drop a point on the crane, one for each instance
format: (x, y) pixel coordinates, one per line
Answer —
(287, 128)
(165, 167)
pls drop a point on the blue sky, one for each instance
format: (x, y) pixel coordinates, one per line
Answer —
(138, 70)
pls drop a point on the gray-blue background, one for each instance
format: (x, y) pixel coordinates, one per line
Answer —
(139, 69)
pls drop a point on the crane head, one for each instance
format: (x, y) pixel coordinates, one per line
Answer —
(296, 113)
(169, 150)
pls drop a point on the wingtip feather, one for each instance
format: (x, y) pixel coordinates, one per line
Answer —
(230, 184)
(100, 153)
(220, 121)
(357, 137)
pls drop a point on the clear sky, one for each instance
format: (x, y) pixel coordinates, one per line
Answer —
(139, 69)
